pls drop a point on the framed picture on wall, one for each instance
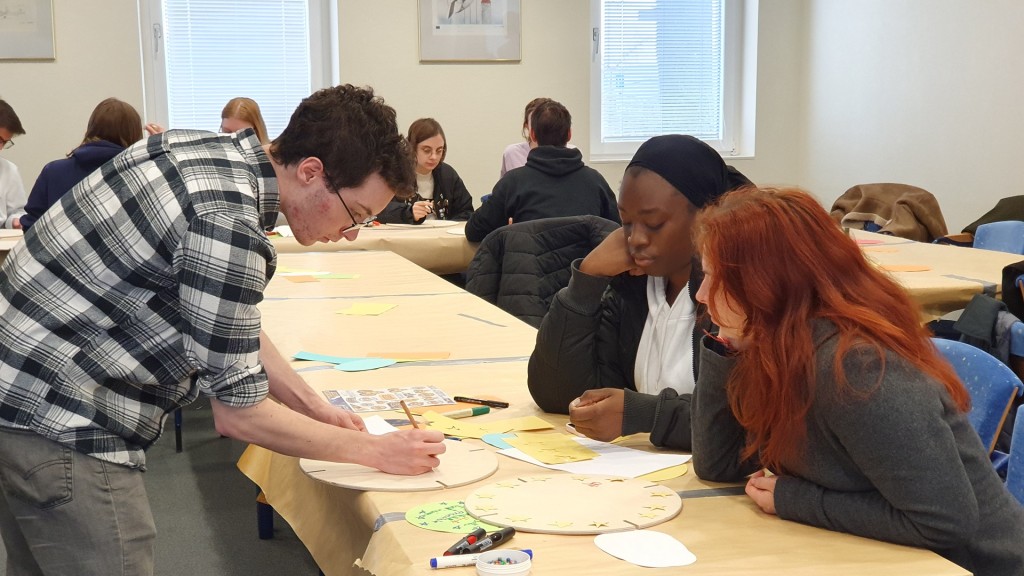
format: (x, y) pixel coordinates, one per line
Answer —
(26, 30)
(469, 30)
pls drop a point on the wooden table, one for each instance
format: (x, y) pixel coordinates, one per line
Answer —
(955, 274)
(432, 245)
(489, 349)
(8, 238)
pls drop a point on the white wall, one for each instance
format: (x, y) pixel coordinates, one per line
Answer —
(98, 57)
(480, 106)
(924, 92)
(927, 92)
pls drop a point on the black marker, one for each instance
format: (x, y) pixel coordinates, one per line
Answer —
(492, 540)
(491, 403)
(471, 538)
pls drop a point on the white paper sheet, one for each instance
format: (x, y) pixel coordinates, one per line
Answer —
(646, 548)
(611, 460)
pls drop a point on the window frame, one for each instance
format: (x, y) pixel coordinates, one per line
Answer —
(323, 53)
(739, 80)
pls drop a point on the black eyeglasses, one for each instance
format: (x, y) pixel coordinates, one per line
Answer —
(355, 223)
(6, 144)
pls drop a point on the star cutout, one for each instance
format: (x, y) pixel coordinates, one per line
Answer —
(598, 524)
(661, 494)
(655, 507)
(558, 524)
(508, 484)
(488, 496)
(517, 518)
(485, 508)
(648, 515)
(616, 479)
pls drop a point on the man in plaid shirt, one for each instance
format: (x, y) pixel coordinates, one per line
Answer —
(138, 291)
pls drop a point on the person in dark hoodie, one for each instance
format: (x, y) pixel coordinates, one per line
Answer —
(553, 183)
(113, 126)
(616, 350)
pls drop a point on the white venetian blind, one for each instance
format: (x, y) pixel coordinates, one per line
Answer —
(216, 50)
(661, 69)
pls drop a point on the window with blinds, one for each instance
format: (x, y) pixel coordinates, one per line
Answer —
(206, 52)
(661, 67)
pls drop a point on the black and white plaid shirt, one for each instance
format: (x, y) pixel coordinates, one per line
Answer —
(138, 290)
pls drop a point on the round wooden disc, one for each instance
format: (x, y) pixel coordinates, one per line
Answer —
(461, 464)
(600, 504)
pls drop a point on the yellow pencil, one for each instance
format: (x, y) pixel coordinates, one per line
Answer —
(409, 414)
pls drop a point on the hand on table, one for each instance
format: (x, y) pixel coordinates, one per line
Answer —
(410, 452)
(761, 489)
(421, 209)
(335, 416)
(598, 413)
(610, 258)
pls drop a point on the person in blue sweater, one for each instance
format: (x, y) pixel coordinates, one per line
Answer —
(113, 126)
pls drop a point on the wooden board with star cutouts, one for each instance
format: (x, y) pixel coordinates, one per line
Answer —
(461, 464)
(602, 504)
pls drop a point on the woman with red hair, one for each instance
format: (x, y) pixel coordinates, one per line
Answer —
(822, 374)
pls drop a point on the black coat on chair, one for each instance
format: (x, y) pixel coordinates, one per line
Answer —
(520, 267)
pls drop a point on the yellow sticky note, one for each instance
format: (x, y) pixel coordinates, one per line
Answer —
(366, 309)
(527, 423)
(665, 473)
(301, 279)
(551, 448)
(452, 427)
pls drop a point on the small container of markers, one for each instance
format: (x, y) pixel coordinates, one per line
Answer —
(503, 563)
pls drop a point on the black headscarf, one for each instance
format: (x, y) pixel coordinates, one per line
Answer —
(689, 165)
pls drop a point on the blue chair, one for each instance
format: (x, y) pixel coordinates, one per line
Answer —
(1015, 468)
(1005, 236)
(991, 384)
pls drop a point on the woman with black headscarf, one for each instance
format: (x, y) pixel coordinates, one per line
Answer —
(616, 349)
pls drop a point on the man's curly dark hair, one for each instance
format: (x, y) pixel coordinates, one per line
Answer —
(353, 133)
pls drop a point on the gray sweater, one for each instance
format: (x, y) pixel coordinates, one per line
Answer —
(897, 462)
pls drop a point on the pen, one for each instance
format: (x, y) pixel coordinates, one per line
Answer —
(491, 403)
(468, 539)
(409, 414)
(461, 560)
(467, 412)
(492, 540)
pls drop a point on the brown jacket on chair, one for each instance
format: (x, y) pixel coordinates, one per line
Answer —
(899, 209)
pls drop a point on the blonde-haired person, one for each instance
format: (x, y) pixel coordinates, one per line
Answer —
(241, 113)
(113, 126)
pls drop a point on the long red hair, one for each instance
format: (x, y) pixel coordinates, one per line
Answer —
(782, 262)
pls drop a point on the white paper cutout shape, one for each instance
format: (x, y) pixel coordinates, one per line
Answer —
(646, 548)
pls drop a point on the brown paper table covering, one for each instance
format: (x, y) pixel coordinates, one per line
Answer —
(430, 247)
(489, 350)
(955, 273)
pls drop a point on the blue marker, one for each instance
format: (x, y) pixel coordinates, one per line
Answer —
(462, 560)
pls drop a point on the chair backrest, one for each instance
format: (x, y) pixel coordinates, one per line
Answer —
(991, 384)
(520, 267)
(1015, 468)
(1005, 236)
